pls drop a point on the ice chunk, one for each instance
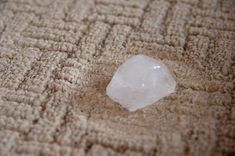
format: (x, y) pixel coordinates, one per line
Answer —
(139, 82)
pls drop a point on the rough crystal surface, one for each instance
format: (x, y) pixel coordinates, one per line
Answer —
(139, 82)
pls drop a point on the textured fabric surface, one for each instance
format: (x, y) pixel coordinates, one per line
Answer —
(57, 57)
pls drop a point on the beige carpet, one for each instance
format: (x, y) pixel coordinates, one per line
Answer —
(57, 57)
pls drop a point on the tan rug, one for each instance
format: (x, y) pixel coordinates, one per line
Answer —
(57, 57)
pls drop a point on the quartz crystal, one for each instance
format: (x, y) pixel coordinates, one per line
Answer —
(139, 82)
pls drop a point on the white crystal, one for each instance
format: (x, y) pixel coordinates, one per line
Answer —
(139, 82)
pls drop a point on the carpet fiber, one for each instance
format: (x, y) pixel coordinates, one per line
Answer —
(57, 57)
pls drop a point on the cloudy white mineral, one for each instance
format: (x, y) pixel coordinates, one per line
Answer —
(139, 82)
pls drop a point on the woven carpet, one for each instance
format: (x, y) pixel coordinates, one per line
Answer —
(57, 57)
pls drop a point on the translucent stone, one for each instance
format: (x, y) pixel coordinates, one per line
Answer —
(139, 82)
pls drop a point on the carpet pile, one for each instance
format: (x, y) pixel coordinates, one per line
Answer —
(57, 57)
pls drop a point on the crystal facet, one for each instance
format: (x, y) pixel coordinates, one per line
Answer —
(139, 82)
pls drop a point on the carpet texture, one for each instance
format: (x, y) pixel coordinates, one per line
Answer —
(57, 57)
